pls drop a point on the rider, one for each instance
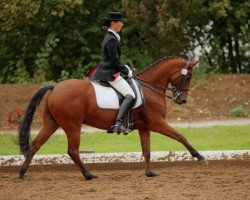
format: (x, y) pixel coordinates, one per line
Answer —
(110, 67)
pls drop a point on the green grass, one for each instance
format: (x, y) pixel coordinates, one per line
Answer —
(209, 138)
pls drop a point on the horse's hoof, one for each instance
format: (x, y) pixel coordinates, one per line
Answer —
(21, 177)
(90, 177)
(151, 174)
(204, 162)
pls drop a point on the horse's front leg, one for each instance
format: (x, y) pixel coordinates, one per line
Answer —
(145, 144)
(166, 130)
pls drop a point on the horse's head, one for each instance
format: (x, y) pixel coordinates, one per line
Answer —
(180, 80)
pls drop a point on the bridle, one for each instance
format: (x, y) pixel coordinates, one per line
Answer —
(176, 90)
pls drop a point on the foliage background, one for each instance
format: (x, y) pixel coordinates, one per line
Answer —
(52, 40)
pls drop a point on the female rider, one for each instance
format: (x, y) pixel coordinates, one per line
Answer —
(110, 67)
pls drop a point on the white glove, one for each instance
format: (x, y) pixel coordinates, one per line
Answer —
(130, 73)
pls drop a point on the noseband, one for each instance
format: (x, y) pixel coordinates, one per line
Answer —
(177, 90)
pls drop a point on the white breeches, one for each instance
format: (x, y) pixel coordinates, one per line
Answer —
(122, 86)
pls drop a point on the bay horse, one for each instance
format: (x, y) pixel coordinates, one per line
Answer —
(71, 103)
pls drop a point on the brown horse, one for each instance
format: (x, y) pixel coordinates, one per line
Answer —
(71, 103)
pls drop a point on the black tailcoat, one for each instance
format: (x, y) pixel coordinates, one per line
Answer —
(110, 63)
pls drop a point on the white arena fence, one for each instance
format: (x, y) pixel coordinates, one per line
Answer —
(166, 156)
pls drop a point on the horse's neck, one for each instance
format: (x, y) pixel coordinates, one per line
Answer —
(158, 74)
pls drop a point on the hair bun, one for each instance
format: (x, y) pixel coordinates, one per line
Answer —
(106, 24)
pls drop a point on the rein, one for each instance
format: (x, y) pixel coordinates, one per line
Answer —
(149, 84)
(177, 90)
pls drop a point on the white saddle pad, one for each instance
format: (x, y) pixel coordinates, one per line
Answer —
(106, 97)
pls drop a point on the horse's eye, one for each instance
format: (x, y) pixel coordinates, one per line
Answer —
(188, 78)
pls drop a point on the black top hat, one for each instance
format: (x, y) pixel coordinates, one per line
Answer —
(114, 16)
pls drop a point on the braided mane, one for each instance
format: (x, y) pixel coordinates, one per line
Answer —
(158, 61)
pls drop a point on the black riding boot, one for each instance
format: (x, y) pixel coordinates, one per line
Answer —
(125, 106)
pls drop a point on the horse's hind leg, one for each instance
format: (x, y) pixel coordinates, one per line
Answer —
(166, 130)
(73, 134)
(47, 130)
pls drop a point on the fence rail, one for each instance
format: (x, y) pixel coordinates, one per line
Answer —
(166, 156)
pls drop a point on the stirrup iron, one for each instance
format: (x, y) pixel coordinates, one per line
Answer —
(120, 128)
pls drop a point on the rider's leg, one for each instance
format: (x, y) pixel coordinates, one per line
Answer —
(125, 106)
(123, 87)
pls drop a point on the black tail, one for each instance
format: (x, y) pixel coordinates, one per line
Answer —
(24, 128)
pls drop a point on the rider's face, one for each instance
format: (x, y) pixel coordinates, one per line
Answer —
(117, 25)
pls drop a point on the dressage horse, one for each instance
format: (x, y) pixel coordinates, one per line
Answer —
(71, 103)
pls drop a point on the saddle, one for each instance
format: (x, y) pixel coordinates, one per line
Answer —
(120, 96)
(129, 119)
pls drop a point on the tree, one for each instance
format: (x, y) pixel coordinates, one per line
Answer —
(42, 40)
(230, 34)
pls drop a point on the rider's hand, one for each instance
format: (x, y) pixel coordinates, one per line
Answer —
(130, 73)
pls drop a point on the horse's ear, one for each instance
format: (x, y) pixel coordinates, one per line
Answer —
(193, 63)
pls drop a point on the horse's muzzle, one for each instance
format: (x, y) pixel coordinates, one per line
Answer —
(180, 100)
(183, 101)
